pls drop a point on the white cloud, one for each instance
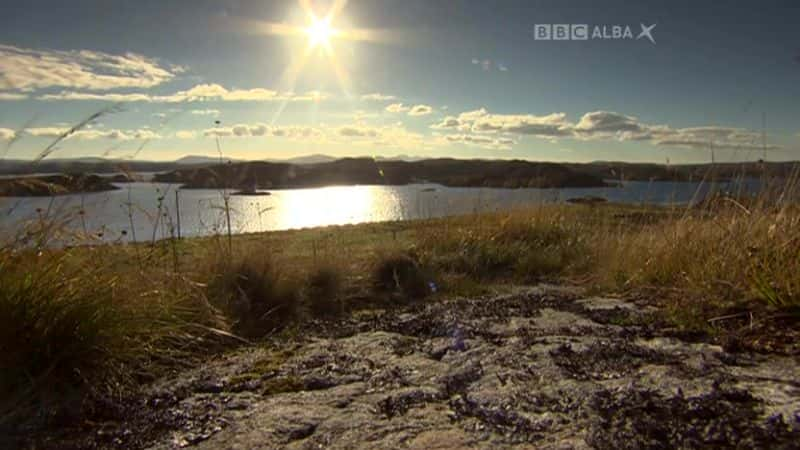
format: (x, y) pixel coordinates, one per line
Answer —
(550, 125)
(218, 132)
(217, 92)
(12, 96)
(447, 122)
(201, 92)
(481, 128)
(595, 125)
(91, 134)
(378, 97)
(205, 112)
(484, 141)
(481, 121)
(415, 110)
(724, 138)
(142, 134)
(359, 131)
(116, 98)
(393, 136)
(485, 64)
(262, 130)
(27, 69)
(420, 110)
(47, 131)
(6, 134)
(295, 132)
(398, 108)
(605, 124)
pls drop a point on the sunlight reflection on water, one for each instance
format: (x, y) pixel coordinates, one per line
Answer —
(151, 207)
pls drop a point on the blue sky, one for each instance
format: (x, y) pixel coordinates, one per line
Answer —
(423, 78)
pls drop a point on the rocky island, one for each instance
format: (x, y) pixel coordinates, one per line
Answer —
(44, 186)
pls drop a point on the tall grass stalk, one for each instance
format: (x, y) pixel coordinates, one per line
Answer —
(225, 194)
(72, 328)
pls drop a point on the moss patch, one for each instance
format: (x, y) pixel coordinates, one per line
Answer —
(281, 385)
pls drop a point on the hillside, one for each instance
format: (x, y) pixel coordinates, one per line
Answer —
(45, 186)
(684, 172)
(349, 171)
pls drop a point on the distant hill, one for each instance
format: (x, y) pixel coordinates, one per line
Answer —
(320, 169)
(351, 171)
(685, 172)
(82, 165)
(110, 165)
(54, 185)
(309, 159)
(201, 160)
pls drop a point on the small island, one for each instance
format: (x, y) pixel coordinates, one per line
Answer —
(252, 193)
(587, 200)
(123, 178)
(45, 186)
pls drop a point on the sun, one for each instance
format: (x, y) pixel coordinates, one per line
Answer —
(321, 41)
(319, 32)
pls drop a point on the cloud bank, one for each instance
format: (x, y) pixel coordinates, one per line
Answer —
(597, 125)
(91, 134)
(28, 69)
(198, 93)
(415, 110)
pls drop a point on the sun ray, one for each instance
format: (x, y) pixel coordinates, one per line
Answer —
(251, 26)
(341, 74)
(320, 34)
(337, 7)
(289, 78)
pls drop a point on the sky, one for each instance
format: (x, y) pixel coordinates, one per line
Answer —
(425, 78)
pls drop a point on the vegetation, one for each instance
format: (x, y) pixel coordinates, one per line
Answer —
(82, 323)
(402, 275)
(74, 328)
(253, 292)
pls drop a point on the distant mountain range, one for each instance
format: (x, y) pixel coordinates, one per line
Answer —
(103, 165)
(210, 160)
(458, 172)
(198, 170)
(255, 175)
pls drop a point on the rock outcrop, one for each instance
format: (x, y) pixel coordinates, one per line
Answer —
(541, 368)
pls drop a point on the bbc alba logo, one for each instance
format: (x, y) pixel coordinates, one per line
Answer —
(584, 32)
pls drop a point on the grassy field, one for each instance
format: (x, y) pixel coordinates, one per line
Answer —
(88, 323)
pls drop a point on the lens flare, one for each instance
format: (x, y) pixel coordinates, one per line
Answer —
(319, 33)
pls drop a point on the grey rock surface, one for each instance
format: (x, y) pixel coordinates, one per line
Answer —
(540, 368)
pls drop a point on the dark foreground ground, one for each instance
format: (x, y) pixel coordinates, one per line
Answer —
(541, 368)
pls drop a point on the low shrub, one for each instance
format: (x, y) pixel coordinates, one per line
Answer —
(402, 275)
(322, 290)
(258, 297)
